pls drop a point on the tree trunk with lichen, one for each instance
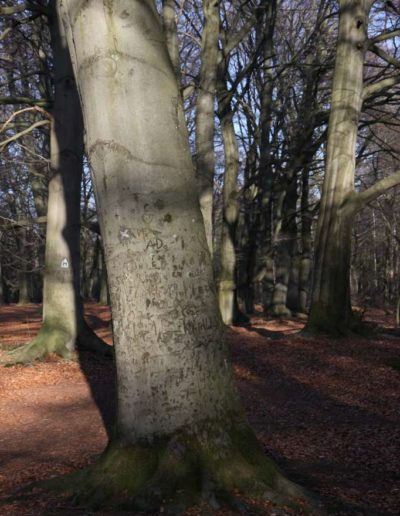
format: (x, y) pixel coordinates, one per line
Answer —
(180, 433)
(63, 326)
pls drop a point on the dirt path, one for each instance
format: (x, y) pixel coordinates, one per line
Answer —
(328, 411)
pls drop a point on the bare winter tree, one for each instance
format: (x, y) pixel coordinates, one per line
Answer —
(331, 304)
(180, 432)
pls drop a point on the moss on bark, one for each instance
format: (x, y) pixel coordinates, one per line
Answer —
(52, 338)
(207, 463)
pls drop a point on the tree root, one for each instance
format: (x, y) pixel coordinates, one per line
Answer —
(55, 340)
(206, 464)
(334, 328)
(47, 341)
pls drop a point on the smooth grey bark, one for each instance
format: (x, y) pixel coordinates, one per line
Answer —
(205, 117)
(177, 405)
(153, 236)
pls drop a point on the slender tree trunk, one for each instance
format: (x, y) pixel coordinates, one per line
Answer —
(205, 117)
(248, 233)
(289, 233)
(228, 302)
(179, 422)
(306, 245)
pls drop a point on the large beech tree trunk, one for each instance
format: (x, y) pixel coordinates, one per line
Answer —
(63, 325)
(180, 432)
(330, 306)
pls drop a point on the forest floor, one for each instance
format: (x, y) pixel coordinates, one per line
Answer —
(328, 412)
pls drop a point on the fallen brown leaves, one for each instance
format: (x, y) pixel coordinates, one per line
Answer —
(327, 411)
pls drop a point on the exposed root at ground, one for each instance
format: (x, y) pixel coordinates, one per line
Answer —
(204, 465)
(54, 340)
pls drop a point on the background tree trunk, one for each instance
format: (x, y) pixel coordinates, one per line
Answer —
(205, 114)
(63, 322)
(330, 307)
(227, 293)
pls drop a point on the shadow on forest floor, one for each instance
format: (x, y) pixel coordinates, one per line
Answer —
(327, 411)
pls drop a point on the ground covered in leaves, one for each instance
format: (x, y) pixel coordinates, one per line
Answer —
(328, 412)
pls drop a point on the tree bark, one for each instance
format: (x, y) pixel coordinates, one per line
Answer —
(175, 437)
(205, 117)
(171, 36)
(227, 294)
(306, 245)
(331, 306)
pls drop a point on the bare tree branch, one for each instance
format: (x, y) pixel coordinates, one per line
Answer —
(359, 200)
(4, 143)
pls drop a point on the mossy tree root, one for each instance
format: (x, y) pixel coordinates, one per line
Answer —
(55, 340)
(202, 464)
(48, 340)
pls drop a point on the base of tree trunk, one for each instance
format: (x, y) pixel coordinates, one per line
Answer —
(53, 340)
(326, 322)
(193, 465)
(280, 310)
